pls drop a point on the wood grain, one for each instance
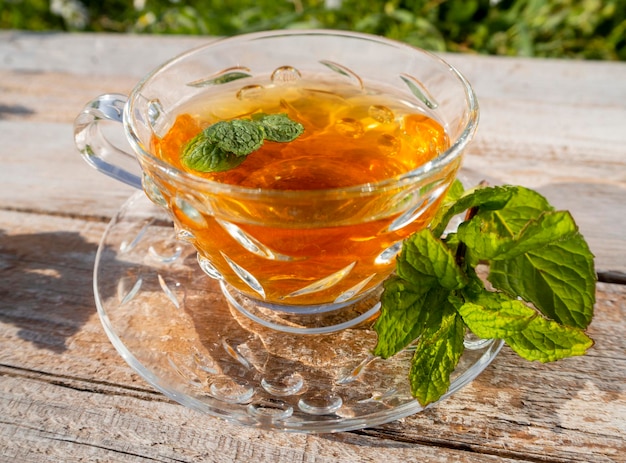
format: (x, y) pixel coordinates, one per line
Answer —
(65, 393)
(533, 131)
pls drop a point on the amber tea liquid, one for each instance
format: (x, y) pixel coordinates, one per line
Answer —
(305, 251)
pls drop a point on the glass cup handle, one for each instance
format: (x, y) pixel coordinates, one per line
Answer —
(96, 148)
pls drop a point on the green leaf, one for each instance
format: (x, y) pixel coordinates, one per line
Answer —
(405, 309)
(278, 127)
(538, 261)
(558, 279)
(523, 205)
(455, 191)
(238, 136)
(547, 341)
(548, 228)
(453, 194)
(423, 255)
(226, 144)
(486, 198)
(202, 155)
(535, 253)
(436, 355)
(496, 316)
(492, 240)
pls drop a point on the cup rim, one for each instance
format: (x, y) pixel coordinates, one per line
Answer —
(203, 184)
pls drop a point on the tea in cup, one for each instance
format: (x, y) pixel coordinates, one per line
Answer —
(300, 233)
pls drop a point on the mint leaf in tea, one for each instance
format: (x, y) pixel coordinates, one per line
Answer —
(226, 144)
(308, 135)
(278, 127)
(202, 154)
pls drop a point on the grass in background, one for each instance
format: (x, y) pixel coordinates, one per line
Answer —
(589, 29)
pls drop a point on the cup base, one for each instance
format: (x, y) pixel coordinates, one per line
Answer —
(306, 319)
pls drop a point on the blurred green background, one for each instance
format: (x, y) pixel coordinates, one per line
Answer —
(587, 29)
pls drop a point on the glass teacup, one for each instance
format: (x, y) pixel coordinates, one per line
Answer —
(294, 258)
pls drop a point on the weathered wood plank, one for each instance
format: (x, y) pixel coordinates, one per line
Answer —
(47, 305)
(134, 55)
(532, 131)
(503, 420)
(54, 179)
(571, 410)
(83, 54)
(66, 395)
(48, 423)
(56, 363)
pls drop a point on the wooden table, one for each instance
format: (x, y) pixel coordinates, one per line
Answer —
(66, 395)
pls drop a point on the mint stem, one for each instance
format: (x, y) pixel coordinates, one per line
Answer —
(469, 215)
(462, 248)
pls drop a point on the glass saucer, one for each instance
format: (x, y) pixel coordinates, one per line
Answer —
(173, 325)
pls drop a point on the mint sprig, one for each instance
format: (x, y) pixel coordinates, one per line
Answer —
(540, 268)
(226, 144)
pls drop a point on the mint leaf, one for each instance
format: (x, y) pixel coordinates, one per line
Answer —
(535, 253)
(455, 191)
(559, 279)
(487, 198)
(405, 309)
(540, 268)
(453, 194)
(226, 144)
(496, 316)
(278, 127)
(202, 155)
(238, 136)
(523, 205)
(547, 341)
(426, 273)
(437, 354)
(491, 240)
(423, 255)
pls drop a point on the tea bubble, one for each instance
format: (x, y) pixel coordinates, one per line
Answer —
(418, 124)
(349, 127)
(285, 74)
(381, 114)
(250, 92)
(388, 144)
(425, 134)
